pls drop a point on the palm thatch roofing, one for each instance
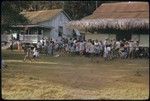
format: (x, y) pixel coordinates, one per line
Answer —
(121, 15)
(36, 17)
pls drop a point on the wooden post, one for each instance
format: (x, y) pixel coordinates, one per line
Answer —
(63, 5)
(28, 31)
(139, 37)
(96, 4)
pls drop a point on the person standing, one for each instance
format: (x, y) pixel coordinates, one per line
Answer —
(96, 48)
(131, 49)
(91, 51)
(136, 49)
(52, 48)
(12, 43)
(126, 49)
(105, 53)
(39, 46)
(28, 54)
(117, 47)
(81, 49)
(35, 53)
(108, 50)
(11, 46)
(49, 49)
(3, 65)
(19, 45)
(87, 48)
(77, 47)
(101, 48)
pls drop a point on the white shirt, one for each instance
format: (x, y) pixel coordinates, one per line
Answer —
(35, 53)
(44, 42)
(77, 46)
(105, 42)
(41, 40)
(59, 39)
(105, 50)
(87, 46)
(91, 48)
(66, 47)
(117, 44)
(74, 41)
(108, 49)
(81, 46)
(130, 44)
(3, 63)
(39, 44)
(100, 45)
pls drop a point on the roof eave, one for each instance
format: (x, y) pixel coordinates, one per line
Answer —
(66, 15)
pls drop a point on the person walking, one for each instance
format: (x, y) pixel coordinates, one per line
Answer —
(28, 54)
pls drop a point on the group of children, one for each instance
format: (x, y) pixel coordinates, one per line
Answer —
(108, 49)
(31, 54)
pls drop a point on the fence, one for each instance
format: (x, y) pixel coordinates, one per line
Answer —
(30, 38)
(5, 38)
(23, 38)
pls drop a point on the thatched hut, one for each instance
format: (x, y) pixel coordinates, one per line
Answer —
(44, 23)
(122, 20)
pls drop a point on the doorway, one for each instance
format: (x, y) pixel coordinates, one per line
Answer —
(122, 36)
(60, 31)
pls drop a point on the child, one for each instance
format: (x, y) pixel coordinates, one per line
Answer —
(28, 54)
(77, 47)
(81, 49)
(39, 46)
(137, 49)
(100, 43)
(122, 52)
(51, 48)
(131, 49)
(72, 49)
(106, 52)
(91, 51)
(109, 50)
(66, 48)
(97, 48)
(35, 53)
(3, 64)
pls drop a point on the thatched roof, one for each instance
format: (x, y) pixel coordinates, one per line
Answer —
(40, 16)
(123, 15)
(110, 23)
(121, 10)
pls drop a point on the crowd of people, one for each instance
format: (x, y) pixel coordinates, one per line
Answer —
(108, 49)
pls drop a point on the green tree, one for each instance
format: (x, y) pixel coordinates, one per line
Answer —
(10, 10)
(79, 9)
(10, 16)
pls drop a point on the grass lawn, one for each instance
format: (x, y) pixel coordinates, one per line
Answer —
(73, 77)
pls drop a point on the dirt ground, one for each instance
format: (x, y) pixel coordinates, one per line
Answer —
(67, 77)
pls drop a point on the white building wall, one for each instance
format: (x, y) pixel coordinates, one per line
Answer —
(144, 40)
(112, 36)
(135, 37)
(59, 20)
